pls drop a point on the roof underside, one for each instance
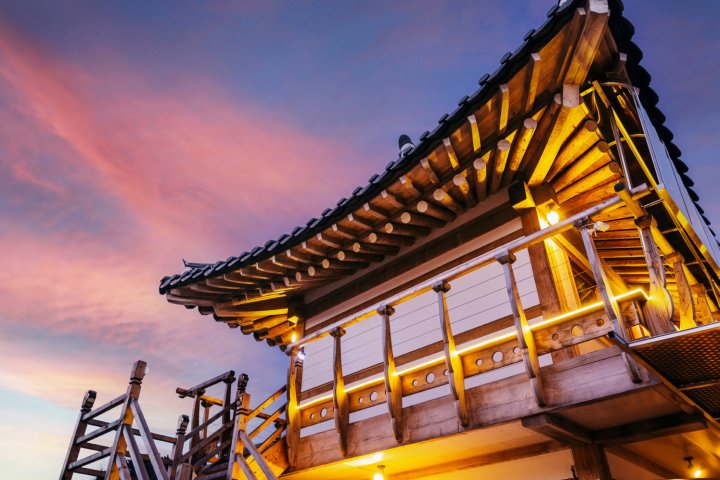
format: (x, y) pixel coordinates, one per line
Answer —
(505, 131)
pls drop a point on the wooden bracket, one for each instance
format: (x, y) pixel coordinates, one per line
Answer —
(340, 403)
(393, 386)
(525, 336)
(453, 363)
(686, 306)
(659, 309)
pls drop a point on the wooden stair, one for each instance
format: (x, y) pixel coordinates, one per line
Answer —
(219, 444)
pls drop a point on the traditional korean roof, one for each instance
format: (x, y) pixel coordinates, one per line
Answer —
(267, 270)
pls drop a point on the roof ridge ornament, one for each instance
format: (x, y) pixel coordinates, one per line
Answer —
(405, 144)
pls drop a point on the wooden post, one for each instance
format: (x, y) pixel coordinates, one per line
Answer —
(117, 465)
(393, 386)
(659, 309)
(590, 462)
(702, 308)
(80, 428)
(342, 411)
(294, 387)
(227, 417)
(195, 422)
(178, 447)
(686, 307)
(612, 310)
(453, 363)
(522, 329)
(236, 461)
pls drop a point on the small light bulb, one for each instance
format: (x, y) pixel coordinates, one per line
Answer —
(378, 476)
(553, 217)
(697, 473)
(293, 337)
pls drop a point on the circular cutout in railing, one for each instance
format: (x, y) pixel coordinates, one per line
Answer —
(516, 350)
(414, 382)
(323, 413)
(577, 331)
(497, 357)
(479, 361)
(430, 378)
(373, 396)
(361, 399)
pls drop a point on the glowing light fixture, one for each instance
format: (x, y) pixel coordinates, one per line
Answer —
(293, 337)
(301, 354)
(552, 217)
(697, 473)
(379, 474)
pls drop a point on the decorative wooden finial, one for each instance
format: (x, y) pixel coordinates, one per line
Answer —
(182, 424)
(138, 372)
(230, 377)
(242, 382)
(337, 332)
(88, 401)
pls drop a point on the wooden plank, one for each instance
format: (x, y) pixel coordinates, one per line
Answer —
(340, 403)
(558, 428)
(453, 364)
(393, 387)
(499, 162)
(518, 149)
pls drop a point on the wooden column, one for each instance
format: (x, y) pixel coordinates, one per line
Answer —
(227, 416)
(453, 363)
(340, 403)
(294, 387)
(80, 428)
(195, 422)
(545, 279)
(659, 309)
(590, 462)
(393, 386)
(524, 334)
(685, 306)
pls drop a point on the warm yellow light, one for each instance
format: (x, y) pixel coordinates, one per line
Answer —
(697, 473)
(553, 217)
(379, 474)
(293, 337)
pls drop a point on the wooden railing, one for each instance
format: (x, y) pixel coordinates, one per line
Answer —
(123, 444)
(486, 347)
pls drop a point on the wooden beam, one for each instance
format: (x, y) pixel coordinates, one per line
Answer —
(442, 197)
(499, 162)
(518, 149)
(674, 424)
(463, 187)
(429, 171)
(503, 102)
(585, 136)
(435, 211)
(393, 386)
(474, 133)
(558, 428)
(642, 462)
(594, 158)
(479, 167)
(452, 156)
(659, 309)
(532, 76)
(596, 20)
(456, 375)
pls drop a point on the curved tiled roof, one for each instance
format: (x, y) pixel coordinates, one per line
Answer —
(622, 30)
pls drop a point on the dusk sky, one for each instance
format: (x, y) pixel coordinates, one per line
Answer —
(134, 133)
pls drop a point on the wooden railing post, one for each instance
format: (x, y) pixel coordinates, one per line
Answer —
(393, 386)
(195, 422)
(612, 309)
(178, 447)
(294, 386)
(453, 363)
(659, 309)
(525, 337)
(117, 465)
(686, 306)
(227, 417)
(80, 428)
(236, 462)
(340, 404)
(702, 308)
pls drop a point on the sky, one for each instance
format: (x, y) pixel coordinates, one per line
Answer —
(134, 134)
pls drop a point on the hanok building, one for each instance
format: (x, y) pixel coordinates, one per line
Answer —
(529, 291)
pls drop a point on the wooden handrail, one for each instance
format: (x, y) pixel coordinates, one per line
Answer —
(155, 436)
(271, 418)
(481, 261)
(258, 410)
(115, 402)
(259, 459)
(228, 377)
(209, 421)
